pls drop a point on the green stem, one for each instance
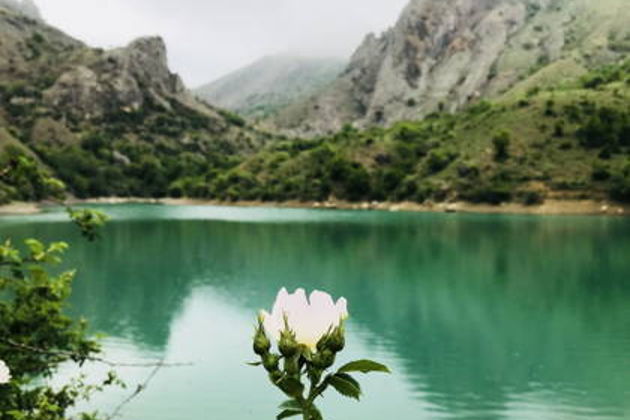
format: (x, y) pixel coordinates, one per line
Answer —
(306, 405)
(314, 391)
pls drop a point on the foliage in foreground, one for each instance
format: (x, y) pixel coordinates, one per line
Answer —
(36, 336)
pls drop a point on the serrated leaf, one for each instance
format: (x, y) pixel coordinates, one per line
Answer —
(288, 413)
(364, 366)
(346, 387)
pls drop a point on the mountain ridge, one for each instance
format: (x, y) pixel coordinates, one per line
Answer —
(443, 56)
(270, 83)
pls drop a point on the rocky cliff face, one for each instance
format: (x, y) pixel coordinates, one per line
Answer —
(445, 54)
(86, 84)
(124, 79)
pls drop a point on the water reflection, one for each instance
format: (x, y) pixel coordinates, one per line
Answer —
(484, 316)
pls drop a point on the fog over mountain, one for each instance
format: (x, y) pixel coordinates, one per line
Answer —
(271, 83)
(207, 39)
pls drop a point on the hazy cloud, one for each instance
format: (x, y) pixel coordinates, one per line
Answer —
(207, 38)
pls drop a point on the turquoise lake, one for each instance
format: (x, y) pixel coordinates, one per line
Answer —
(478, 316)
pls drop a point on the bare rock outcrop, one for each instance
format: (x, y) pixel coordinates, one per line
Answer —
(120, 80)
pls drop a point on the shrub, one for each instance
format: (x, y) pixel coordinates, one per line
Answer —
(558, 129)
(438, 160)
(607, 74)
(600, 172)
(530, 196)
(351, 180)
(468, 171)
(487, 192)
(605, 127)
(620, 185)
(550, 108)
(480, 108)
(501, 143)
(409, 133)
(386, 181)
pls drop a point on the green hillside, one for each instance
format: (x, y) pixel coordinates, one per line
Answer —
(566, 142)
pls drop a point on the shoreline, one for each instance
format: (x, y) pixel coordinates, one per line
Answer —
(20, 208)
(549, 207)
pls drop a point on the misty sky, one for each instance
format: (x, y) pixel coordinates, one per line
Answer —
(208, 38)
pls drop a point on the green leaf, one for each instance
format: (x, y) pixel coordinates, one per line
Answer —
(345, 385)
(314, 414)
(35, 246)
(364, 366)
(350, 379)
(254, 363)
(37, 249)
(288, 413)
(290, 405)
(291, 387)
(57, 247)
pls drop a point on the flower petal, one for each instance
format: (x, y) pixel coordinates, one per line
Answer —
(342, 308)
(310, 319)
(5, 373)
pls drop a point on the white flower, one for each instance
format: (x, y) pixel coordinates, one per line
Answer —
(5, 373)
(309, 321)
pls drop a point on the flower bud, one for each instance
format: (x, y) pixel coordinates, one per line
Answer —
(324, 359)
(261, 342)
(337, 340)
(287, 345)
(270, 362)
(323, 342)
(275, 376)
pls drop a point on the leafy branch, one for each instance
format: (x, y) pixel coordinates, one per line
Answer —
(77, 356)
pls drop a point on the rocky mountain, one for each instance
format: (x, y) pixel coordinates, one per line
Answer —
(446, 54)
(271, 83)
(114, 122)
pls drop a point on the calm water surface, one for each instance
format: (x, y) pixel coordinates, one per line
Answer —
(479, 317)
